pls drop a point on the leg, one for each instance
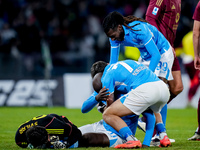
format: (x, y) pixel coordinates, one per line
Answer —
(160, 128)
(113, 113)
(112, 117)
(150, 124)
(94, 140)
(196, 135)
(164, 114)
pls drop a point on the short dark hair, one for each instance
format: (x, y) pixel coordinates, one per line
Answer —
(37, 136)
(98, 67)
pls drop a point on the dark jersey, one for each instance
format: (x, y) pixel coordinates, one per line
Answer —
(54, 124)
(165, 14)
(196, 15)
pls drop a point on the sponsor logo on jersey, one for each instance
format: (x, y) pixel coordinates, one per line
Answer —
(155, 11)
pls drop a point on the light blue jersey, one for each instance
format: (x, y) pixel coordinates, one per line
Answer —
(125, 79)
(149, 41)
(126, 75)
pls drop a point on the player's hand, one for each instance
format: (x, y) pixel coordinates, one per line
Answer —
(110, 99)
(102, 95)
(197, 62)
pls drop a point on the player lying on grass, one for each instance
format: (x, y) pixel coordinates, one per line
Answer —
(144, 90)
(39, 129)
(54, 131)
(131, 120)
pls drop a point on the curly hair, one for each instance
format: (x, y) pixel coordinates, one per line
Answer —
(97, 67)
(37, 136)
(113, 19)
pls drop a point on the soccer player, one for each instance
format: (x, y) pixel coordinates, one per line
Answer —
(155, 51)
(196, 44)
(55, 132)
(165, 15)
(144, 90)
(51, 124)
(101, 126)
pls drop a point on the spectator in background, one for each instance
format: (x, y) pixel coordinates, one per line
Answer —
(196, 44)
(69, 15)
(8, 38)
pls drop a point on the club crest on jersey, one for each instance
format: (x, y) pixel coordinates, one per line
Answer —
(155, 11)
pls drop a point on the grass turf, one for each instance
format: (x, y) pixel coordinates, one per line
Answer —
(181, 124)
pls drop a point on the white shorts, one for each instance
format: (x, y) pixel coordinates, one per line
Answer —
(164, 66)
(98, 127)
(153, 95)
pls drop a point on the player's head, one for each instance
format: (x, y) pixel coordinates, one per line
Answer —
(97, 67)
(112, 25)
(37, 136)
(96, 82)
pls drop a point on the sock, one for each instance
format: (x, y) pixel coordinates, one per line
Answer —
(150, 124)
(126, 133)
(160, 128)
(164, 114)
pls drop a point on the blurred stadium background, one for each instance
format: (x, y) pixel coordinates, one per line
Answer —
(48, 46)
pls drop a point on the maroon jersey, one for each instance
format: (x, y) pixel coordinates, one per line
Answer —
(196, 15)
(164, 15)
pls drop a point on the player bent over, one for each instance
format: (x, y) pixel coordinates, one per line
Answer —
(145, 90)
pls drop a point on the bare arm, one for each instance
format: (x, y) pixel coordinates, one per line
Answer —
(196, 44)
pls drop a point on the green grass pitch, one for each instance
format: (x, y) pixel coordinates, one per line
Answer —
(181, 124)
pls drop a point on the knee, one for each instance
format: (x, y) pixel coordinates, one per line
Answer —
(106, 115)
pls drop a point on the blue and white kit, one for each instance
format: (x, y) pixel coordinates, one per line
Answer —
(155, 51)
(144, 88)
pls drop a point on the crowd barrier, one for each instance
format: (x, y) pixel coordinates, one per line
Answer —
(70, 91)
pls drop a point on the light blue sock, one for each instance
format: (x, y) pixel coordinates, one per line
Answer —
(160, 128)
(150, 124)
(164, 114)
(125, 132)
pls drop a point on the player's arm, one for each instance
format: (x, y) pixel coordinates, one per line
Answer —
(114, 51)
(196, 44)
(70, 133)
(146, 37)
(155, 54)
(153, 12)
(90, 103)
(94, 99)
(109, 83)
